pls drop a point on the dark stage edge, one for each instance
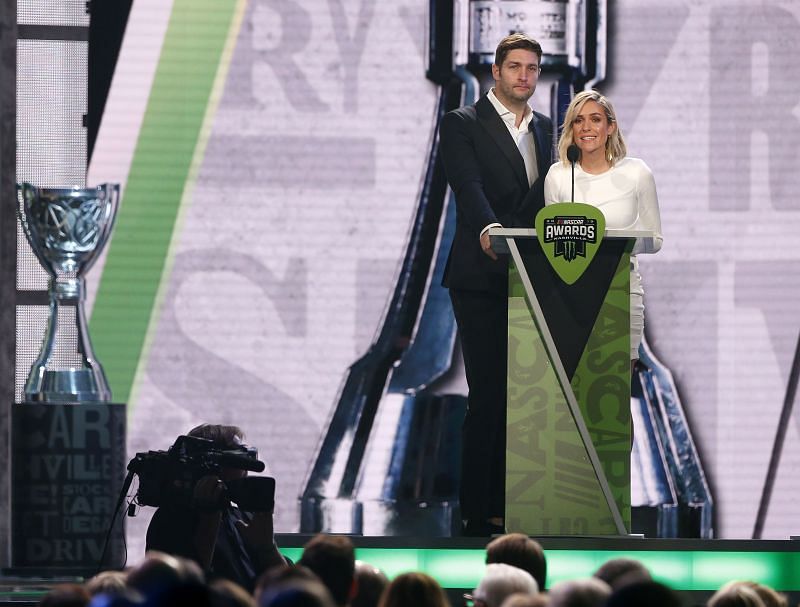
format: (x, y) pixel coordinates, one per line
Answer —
(695, 568)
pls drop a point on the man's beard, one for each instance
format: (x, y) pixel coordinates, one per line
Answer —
(512, 93)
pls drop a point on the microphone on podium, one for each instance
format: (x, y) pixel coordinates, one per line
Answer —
(573, 153)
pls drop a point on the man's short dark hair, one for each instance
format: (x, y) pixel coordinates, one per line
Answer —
(332, 558)
(622, 571)
(281, 574)
(651, 594)
(371, 582)
(515, 41)
(520, 551)
(66, 595)
(223, 437)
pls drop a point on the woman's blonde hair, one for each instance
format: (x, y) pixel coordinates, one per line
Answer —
(615, 144)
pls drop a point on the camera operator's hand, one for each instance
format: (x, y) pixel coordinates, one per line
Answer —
(259, 531)
(209, 493)
(207, 499)
(258, 535)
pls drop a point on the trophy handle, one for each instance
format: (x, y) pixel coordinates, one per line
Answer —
(110, 193)
(25, 193)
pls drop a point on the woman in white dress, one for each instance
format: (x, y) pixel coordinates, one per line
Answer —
(622, 188)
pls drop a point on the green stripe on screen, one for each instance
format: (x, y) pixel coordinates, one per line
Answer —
(679, 569)
(159, 175)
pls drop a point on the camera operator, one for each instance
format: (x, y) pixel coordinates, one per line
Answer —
(224, 540)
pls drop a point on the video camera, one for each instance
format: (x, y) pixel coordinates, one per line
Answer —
(168, 478)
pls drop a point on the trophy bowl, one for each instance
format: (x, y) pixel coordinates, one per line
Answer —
(66, 229)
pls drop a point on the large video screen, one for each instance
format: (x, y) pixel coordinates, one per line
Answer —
(273, 155)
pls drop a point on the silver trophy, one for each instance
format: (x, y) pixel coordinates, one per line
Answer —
(67, 228)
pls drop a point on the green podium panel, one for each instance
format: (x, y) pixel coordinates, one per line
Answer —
(602, 387)
(568, 434)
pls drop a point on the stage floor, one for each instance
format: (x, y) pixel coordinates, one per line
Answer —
(696, 568)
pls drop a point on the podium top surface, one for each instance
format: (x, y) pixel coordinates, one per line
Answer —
(499, 236)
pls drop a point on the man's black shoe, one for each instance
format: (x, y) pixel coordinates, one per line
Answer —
(472, 528)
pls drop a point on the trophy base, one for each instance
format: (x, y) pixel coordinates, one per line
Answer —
(67, 386)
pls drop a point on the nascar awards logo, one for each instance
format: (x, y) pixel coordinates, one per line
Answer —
(570, 234)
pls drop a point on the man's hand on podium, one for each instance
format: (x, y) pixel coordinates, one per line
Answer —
(486, 245)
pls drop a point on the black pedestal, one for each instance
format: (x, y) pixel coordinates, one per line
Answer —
(68, 467)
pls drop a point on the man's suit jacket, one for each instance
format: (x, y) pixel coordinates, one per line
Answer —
(487, 175)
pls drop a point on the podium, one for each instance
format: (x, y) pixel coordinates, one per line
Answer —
(568, 436)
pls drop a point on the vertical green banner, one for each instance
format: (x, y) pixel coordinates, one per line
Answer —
(159, 177)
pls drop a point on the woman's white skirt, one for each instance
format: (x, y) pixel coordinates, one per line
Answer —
(637, 308)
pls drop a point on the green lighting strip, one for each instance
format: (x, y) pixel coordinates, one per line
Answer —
(692, 570)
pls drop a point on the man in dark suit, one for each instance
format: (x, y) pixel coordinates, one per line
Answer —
(496, 154)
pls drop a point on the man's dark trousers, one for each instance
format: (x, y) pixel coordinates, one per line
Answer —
(484, 347)
(487, 175)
